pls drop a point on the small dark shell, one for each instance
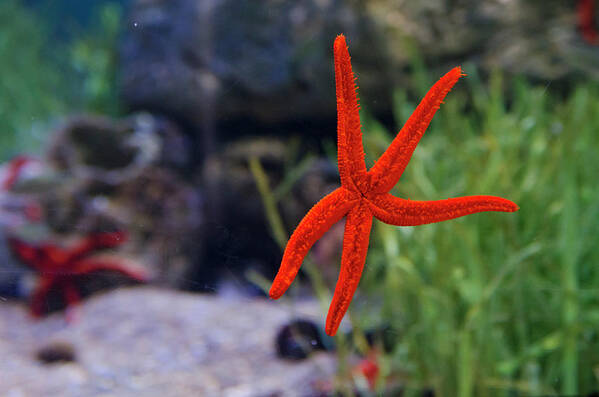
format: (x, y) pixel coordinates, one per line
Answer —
(299, 338)
(57, 352)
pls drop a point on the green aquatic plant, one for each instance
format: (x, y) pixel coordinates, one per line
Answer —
(44, 76)
(94, 59)
(507, 304)
(31, 83)
(494, 306)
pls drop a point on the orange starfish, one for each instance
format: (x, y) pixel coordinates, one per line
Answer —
(364, 194)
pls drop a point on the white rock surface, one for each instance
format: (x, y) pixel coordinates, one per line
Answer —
(145, 341)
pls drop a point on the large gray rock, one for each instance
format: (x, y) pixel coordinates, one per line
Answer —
(11, 273)
(269, 60)
(537, 38)
(150, 342)
(127, 174)
(241, 237)
(210, 60)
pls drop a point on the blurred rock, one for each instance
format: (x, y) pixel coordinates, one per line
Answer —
(239, 234)
(128, 174)
(151, 342)
(22, 180)
(165, 215)
(269, 60)
(109, 151)
(538, 38)
(11, 272)
(207, 61)
(238, 231)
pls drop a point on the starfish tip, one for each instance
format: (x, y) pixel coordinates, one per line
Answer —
(457, 72)
(339, 43)
(509, 205)
(274, 293)
(141, 276)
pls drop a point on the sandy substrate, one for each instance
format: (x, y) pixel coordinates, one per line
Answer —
(144, 341)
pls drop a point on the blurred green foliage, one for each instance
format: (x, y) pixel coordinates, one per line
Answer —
(495, 304)
(43, 77)
(492, 304)
(93, 56)
(31, 85)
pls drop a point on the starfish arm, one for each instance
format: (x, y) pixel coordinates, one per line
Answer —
(70, 293)
(111, 264)
(355, 247)
(25, 252)
(96, 241)
(38, 298)
(401, 212)
(72, 298)
(350, 152)
(328, 211)
(385, 173)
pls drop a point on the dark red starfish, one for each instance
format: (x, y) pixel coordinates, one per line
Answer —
(364, 193)
(586, 21)
(16, 209)
(59, 267)
(15, 167)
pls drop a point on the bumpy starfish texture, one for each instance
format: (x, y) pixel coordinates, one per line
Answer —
(364, 194)
(59, 267)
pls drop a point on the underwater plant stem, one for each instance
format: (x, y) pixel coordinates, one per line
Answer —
(270, 206)
(570, 309)
(278, 229)
(465, 367)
